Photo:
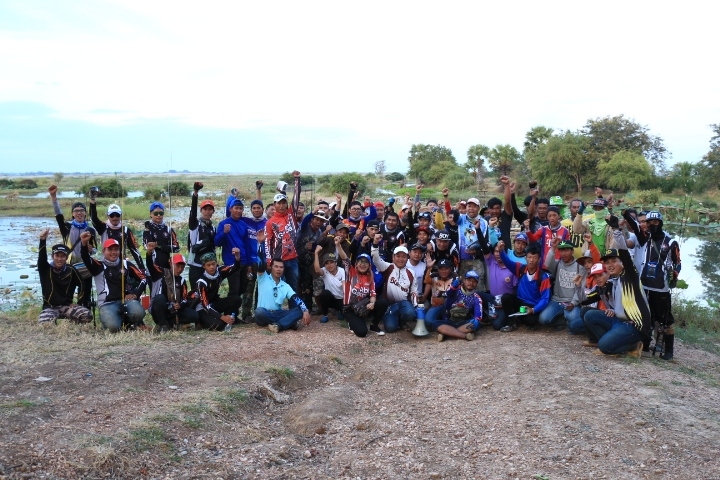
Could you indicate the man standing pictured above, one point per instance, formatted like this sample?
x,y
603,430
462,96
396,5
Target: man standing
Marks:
x,y
470,225
231,234
399,298
280,235
201,234
58,282
114,228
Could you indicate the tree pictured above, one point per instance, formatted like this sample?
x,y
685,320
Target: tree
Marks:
x,y
536,138
423,158
610,135
179,189
380,168
565,153
341,183
57,177
395,177
288,178
504,159
477,155
709,166
626,170
458,179
684,174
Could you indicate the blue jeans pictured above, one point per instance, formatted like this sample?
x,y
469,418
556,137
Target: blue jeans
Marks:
x,y
284,318
615,336
292,274
399,314
500,318
111,316
551,315
433,314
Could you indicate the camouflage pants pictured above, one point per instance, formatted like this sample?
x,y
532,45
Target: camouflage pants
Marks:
x,y
76,313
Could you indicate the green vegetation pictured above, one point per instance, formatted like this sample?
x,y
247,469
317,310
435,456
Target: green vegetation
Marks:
x,y
283,374
24,184
697,324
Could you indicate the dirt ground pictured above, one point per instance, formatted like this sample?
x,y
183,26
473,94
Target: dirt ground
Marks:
x,y
321,403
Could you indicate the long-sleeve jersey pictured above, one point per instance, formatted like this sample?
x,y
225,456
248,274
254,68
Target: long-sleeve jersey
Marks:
x,y
534,288
543,236
458,297
109,278
237,237
71,234
164,236
160,277
208,288
58,286
124,236
201,236
468,233
357,286
400,283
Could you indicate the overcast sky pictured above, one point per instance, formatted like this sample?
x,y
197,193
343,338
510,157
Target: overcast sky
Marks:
x,y
239,87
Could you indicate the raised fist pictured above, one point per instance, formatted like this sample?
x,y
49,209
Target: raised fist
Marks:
x,y
258,184
197,186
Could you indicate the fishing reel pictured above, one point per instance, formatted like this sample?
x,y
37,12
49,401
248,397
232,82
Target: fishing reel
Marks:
x,y
94,192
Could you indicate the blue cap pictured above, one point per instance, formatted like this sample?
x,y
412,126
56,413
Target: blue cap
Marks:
x,y
256,202
522,237
472,274
155,205
237,203
365,257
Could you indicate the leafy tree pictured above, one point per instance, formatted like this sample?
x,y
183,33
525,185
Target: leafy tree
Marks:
x,y
477,155
423,158
710,164
395,177
57,177
110,188
684,175
288,178
179,189
566,153
626,170
458,179
25,184
340,183
504,159
610,135
536,138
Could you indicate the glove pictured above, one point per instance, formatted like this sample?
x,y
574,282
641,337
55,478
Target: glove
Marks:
x,y
94,192
391,200
613,221
582,207
258,184
456,282
197,186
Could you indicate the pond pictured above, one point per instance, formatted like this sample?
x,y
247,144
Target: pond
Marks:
x,y
19,277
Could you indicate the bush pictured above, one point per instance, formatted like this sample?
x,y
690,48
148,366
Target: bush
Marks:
x,y
179,189
6,183
153,193
25,184
109,188
458,179
395,177
647,198
341,183
290,180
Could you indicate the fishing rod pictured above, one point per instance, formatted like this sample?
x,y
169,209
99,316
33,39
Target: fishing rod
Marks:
x,y
171,285
123,245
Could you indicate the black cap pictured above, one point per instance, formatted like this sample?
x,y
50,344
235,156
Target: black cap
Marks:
x,y
442,235
610,253
78,204
417,246
373,223
445,262
60,248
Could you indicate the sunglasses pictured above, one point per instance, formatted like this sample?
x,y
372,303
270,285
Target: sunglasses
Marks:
x,y
158,214
114,215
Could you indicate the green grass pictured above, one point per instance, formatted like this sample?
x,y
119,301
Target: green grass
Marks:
x,y
147,437
22,403
283,374
696,324
229,399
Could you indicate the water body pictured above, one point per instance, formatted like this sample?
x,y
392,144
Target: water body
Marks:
x,y
19,240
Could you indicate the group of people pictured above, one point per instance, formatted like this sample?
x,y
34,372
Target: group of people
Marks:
x,y
458,266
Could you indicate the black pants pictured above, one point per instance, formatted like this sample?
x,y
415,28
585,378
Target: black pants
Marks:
x,y
237,282
194,275
87,292
327,301
163,313
511,304
357,323
226,306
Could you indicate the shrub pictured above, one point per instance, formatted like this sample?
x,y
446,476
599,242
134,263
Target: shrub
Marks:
x,y
648,198
25,184
180,189
153,193
395,177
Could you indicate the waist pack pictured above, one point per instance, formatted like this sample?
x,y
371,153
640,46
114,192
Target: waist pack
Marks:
x,y
458,314
82,270
360,308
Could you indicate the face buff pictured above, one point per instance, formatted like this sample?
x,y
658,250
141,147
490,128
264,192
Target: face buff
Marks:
x,y
598,226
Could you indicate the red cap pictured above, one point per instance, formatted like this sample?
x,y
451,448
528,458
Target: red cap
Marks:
x,y
597,268
178,258
110,242
207,203
379,205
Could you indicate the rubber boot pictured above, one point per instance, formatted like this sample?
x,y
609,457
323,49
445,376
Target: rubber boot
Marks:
x,y
669,346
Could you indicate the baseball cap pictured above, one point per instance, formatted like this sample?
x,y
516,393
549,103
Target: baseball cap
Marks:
x,y
564,245
178,258
417,246
329,257
60,248
279,197
379,205
442,235
522,237
474,200
236,203
208,257
422,228
320,214
372,223
472,274
425,215
597,268
654,215
155,205
586,254
110,242
554,209
463,202
556,200
78,205
610,253
114,208
207,203
332,205
341,226
400,249
363,256
599,202
445,262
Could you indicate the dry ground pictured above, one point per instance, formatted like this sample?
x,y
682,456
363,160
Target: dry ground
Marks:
x,y
81,404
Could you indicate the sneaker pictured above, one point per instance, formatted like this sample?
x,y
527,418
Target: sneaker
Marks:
x,y
588,343
376,329
339,315
295,326
315,310
470,336
440,337
274,327
597,351
509,328
324,319
637,351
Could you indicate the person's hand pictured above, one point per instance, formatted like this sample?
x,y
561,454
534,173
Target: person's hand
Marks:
x,y
504,179
359,234
356,194
176,306
612,221
493,221
429,262
500,245
569,306
366,239
258,184
197,186
85,237
306,318
526,223
338,197
308,246
430,248
150,246
260,236
609,313
226,228
227,319
587,236
534,192
445,192
554,241
577,280
377,239
328,228
419,187
513,185
44,234
318,249
338,240
236,253
296,174
52,190
371,305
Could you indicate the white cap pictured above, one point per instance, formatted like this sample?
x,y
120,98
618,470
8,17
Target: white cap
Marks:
x,y
474,200
332,205
114,208
400,248
278,197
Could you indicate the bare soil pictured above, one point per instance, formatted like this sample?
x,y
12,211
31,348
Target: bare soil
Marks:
x,y
78,403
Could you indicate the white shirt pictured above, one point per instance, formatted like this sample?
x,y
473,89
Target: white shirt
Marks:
x,y
334,283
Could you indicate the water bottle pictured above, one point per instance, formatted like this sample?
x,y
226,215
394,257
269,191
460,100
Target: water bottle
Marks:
x,y
491,311
229,326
